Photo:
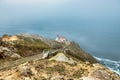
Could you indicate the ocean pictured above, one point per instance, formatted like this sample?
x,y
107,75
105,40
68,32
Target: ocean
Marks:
x,y
93,24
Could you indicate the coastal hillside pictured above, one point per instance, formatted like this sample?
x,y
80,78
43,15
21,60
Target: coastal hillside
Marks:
x,y
33,57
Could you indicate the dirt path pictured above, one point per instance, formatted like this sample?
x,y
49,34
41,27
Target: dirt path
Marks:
x,y
8,64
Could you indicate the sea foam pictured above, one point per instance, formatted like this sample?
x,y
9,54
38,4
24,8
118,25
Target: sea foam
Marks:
x,y
112,65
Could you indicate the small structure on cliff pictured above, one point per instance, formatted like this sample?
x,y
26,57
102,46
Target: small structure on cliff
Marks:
x,y
60,38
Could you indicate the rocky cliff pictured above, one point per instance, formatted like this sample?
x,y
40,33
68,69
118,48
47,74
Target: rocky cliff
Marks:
x,y
33,57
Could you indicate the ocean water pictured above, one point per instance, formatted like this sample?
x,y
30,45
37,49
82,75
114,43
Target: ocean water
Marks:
x,y
94,24
112,65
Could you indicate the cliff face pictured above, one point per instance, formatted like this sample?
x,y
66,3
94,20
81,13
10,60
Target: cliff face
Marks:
x,y
27,45
32,57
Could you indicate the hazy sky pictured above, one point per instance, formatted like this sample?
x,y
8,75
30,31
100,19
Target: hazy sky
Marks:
x,y
19,10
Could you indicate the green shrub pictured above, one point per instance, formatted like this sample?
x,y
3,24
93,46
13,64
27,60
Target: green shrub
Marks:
x,y
56,68
78,74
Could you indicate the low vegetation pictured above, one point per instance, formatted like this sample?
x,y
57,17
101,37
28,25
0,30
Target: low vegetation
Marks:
x,y
27,46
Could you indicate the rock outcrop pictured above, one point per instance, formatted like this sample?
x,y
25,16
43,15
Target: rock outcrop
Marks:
x,y
7,53
32,57
9,38
62,57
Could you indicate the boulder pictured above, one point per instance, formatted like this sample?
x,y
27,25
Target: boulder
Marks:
x,y
9,38
15,56
62,57
5,37
13,38
99,74
7,53
24,70
57,77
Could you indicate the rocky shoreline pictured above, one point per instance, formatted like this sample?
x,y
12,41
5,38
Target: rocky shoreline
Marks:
x,y
33,57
